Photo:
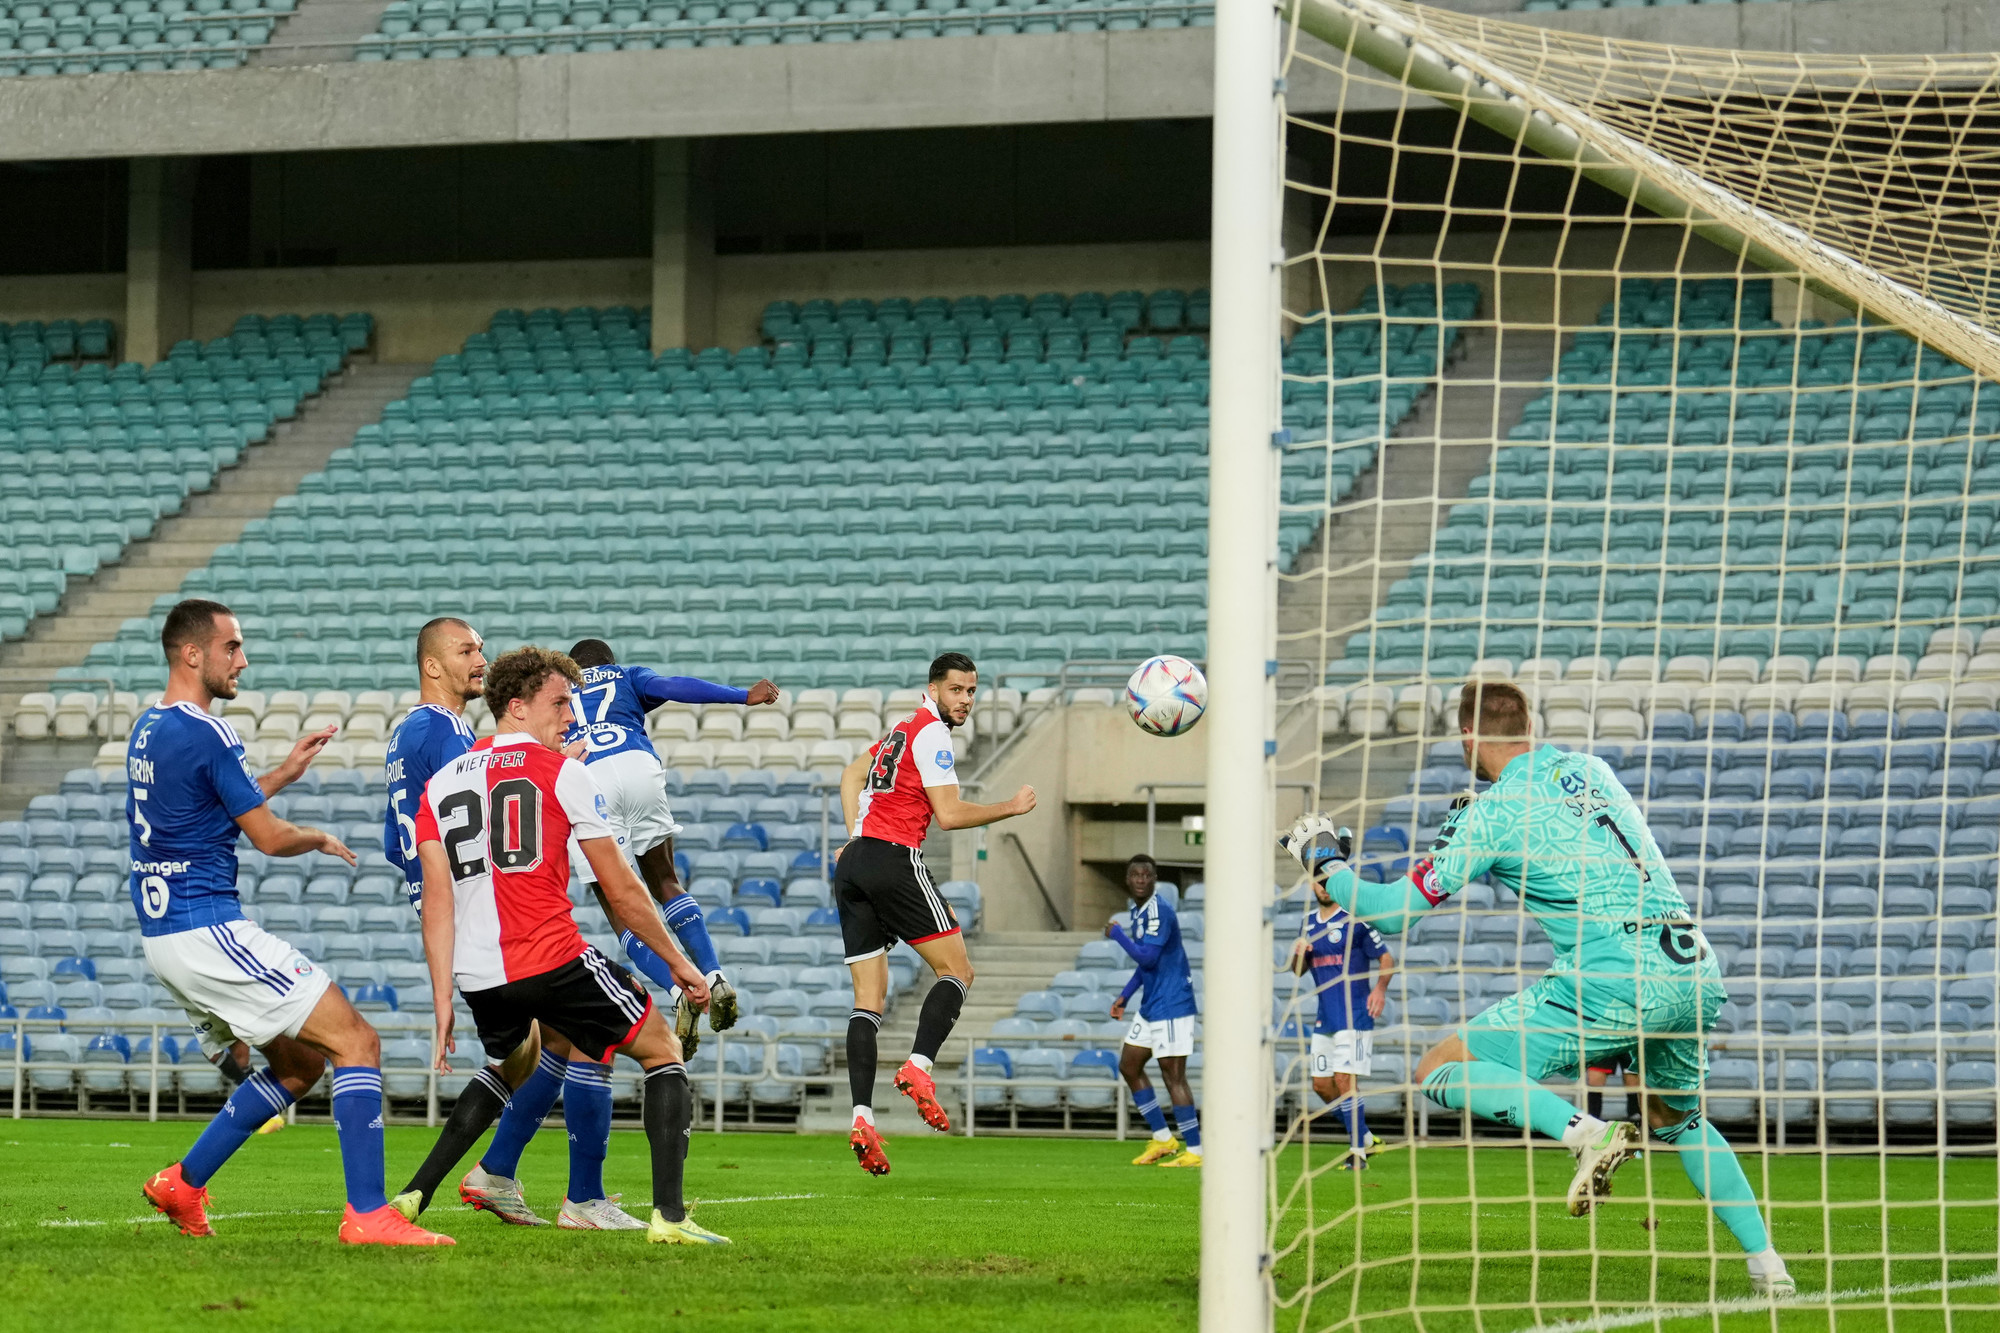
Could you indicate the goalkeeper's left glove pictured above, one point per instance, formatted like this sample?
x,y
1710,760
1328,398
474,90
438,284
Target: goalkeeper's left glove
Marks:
x,y
1318,845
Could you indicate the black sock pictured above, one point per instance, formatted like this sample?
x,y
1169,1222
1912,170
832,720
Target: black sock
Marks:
x,y
668,1114
484,1098
1594,1103
940,1012
862,1025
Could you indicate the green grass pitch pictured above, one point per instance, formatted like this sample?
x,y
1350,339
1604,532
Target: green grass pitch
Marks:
x,y
1035,1234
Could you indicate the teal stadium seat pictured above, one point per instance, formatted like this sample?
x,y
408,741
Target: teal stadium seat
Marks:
x,y
1877,450
1076,422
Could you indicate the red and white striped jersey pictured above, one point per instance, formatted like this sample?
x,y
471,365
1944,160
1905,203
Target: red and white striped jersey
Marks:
x,y
506,814
914,755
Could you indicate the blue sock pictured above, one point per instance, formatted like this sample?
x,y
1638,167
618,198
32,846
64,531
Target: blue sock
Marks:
x,y
587,1112
357,1118
1349,1111
530,1106
255,1100
650,965
1190,1126
1148,1103
683,917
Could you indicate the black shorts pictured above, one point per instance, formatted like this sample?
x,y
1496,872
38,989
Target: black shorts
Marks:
x,y
1619,1063
591,1001
885,894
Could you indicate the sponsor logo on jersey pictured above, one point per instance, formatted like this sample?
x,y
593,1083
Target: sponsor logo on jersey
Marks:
x,y
945,759
604,809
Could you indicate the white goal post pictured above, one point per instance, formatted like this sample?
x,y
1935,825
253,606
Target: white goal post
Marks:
x,y
1854,185
1246,262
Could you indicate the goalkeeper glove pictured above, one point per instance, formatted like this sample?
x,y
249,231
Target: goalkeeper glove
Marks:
x,y
1315,843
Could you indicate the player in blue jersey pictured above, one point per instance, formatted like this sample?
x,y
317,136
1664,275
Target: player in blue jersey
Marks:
x,y
451,670
1163,1029
189,795
1337,950
1632,972
611,706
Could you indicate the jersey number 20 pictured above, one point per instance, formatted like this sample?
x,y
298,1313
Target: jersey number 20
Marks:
x,y
513,809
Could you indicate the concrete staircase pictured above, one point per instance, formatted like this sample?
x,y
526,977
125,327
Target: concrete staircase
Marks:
x,y
92,609
1007,964
320,32
1398,505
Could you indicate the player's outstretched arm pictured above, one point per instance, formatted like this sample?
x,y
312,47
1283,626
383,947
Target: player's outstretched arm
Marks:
x,y
304,751
280,837
954,812
632,909
438,915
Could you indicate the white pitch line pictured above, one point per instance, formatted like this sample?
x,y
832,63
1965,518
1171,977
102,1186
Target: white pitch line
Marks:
x,y
1752,1304
327,1212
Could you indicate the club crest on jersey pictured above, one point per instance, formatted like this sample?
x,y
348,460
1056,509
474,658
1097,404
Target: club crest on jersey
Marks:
x,y
1424,875
945,759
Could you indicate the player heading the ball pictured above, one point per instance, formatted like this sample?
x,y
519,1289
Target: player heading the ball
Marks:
x,y
884,892
189,793
1632,972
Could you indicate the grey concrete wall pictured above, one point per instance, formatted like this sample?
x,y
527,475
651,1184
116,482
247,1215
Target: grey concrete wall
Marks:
x,y
1063,78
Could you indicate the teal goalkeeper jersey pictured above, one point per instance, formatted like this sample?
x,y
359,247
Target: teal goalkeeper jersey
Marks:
x,y
1560,831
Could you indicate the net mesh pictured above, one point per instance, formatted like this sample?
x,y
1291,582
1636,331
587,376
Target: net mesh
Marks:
x,y
1657,382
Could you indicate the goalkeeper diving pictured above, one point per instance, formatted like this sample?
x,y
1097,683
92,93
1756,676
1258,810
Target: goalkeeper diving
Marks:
x,y
1632,973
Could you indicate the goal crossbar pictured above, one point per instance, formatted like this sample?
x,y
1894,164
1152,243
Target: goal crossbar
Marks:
x,y
1930,270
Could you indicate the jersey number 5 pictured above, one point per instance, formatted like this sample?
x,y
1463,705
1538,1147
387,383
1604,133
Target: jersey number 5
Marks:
x,y
513,809
882,776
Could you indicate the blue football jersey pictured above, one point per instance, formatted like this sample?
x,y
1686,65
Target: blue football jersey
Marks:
x,y
1341,951
612,703
1152,935
187,783
423,742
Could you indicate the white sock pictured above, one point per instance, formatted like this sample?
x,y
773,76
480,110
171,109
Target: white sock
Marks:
x,y
1767,1264
922,1062
866,1113
715,976
1586,1128
1163,1136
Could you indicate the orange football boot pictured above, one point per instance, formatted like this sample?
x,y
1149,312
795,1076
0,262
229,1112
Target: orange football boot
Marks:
x,y
867,1145
385,1226
185,1205
916,1084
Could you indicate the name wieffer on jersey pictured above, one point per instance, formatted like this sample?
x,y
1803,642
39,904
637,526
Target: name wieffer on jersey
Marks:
x,y
506,816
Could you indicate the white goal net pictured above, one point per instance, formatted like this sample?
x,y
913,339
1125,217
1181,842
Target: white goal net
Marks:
x,y
1661,383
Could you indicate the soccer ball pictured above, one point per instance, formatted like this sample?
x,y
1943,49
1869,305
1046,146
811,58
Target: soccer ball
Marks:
x,y
1166,695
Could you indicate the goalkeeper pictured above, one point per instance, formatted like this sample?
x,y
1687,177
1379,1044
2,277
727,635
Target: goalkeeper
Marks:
x,y
1632,974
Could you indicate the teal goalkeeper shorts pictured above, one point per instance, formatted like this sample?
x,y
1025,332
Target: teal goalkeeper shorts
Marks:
x,y
1561,1023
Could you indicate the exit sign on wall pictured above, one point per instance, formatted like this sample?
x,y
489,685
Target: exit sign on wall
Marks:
x,y
1191,831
